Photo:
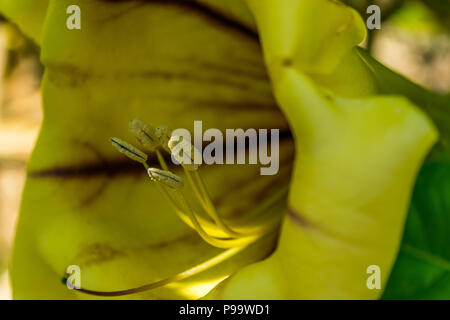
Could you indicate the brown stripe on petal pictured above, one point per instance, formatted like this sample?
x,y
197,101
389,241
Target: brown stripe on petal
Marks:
x,y
188,238
318,228
216,80
207,11
259,74
115,167
298,219
136,5
215,16
97,253
111,168
72,76
232,106
101,172
91,197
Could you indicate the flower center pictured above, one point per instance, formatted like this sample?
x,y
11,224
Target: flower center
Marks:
x,y
209,225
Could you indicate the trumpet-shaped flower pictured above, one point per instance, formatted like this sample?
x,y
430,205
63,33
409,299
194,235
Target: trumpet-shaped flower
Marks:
x,y
349,155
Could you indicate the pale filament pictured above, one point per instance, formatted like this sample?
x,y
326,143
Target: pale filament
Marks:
x,y
171,186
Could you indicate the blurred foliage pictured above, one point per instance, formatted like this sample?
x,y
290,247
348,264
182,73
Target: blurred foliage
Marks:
x,y
421,12
441,8
417,17
413,15
388,7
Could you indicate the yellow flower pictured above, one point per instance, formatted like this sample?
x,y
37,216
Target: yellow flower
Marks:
x,y
355,154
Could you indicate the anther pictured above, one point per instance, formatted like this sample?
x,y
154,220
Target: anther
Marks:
x,y
185,153
145,134
163,133
167,178
129,150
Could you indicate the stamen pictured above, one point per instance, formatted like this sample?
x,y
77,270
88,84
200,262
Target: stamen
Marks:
x,y
185,153
178,147
163,133
161,161
175,206
225,255
165,177
208,206
129,150
211,228
145,134
217,242
181,211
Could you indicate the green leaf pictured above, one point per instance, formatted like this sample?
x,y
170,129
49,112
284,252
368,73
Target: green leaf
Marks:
x,y
422,269
441,9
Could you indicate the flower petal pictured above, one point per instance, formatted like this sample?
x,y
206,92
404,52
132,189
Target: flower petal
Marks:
x,y
164,62
356,162
28,14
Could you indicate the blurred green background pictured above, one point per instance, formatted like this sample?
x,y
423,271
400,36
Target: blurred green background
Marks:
x,y
414,40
